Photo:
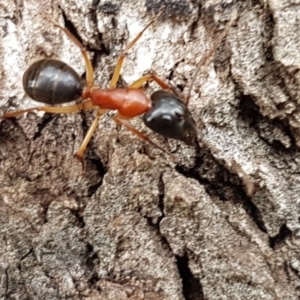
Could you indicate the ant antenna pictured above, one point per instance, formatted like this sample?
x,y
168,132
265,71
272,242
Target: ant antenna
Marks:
x,y
206,59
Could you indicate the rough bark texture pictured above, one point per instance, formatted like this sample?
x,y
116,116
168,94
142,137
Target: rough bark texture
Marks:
x,y
222,223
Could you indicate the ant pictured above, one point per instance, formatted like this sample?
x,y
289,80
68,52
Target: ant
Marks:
x,y
52,82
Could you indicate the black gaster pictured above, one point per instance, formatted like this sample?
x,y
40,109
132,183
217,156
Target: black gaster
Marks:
x,y
170,117
52,81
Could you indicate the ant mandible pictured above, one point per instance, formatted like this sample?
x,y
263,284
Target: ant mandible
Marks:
x,y
52,82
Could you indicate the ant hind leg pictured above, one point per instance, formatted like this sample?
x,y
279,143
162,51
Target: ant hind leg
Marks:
x,y
85,105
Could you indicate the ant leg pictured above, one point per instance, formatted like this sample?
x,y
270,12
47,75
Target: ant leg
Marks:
x,y
89,82
150,77
79,154
85,105
88,65
122,56
118,119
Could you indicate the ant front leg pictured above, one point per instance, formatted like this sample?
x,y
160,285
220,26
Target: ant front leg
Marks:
x,y
120,121
151,77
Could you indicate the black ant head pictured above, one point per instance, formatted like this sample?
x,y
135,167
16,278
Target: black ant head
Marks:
x,y
170,117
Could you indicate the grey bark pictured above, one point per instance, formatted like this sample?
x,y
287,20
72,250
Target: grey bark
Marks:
x,y
221,223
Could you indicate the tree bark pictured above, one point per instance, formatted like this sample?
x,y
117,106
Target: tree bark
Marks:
x,y
220,223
